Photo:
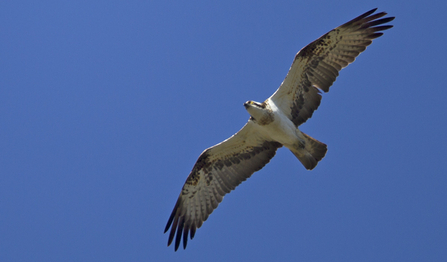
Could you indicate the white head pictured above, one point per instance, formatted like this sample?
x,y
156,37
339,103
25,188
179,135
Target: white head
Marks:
x,y
259,112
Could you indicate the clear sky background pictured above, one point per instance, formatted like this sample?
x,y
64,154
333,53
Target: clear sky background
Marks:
x,y
106,105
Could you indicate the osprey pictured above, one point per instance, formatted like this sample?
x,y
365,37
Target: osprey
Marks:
x,y
273,124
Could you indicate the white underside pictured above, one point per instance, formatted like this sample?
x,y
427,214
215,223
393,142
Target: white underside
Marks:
x,y
282,129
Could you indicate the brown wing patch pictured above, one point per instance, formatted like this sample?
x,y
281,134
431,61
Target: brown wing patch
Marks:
x,y
315,48
306,101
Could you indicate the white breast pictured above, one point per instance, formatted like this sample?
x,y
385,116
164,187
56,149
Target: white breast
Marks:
x,y
282,128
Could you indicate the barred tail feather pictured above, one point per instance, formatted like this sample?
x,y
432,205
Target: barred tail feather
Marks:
x,y
312,152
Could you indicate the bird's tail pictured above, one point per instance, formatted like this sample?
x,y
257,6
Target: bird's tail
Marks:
x,y
312,152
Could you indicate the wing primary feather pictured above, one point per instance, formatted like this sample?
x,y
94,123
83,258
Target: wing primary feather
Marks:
x,y
360,17
214,202
185,236
199,223
382,28
375,35
172,233
178,237
377,22
209,205
372,17
171,218
193,231
168,225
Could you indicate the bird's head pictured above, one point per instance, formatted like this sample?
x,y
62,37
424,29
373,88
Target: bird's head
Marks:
x,y
255,109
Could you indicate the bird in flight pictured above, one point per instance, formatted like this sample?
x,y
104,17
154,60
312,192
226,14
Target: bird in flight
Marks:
x,y
273,123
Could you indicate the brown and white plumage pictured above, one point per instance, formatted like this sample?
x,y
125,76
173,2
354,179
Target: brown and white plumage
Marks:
x,y
272,124
216,173
316,66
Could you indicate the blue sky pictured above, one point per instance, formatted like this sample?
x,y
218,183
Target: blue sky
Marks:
x,y
106,105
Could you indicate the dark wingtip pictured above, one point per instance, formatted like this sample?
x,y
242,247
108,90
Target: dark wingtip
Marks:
x,y
168,225
370,12
185,236
172,233
178,237
171,217
391,18
366,14
193,231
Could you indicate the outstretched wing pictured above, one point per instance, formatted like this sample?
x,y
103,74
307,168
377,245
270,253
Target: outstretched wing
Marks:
x,y
316,66
218,170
